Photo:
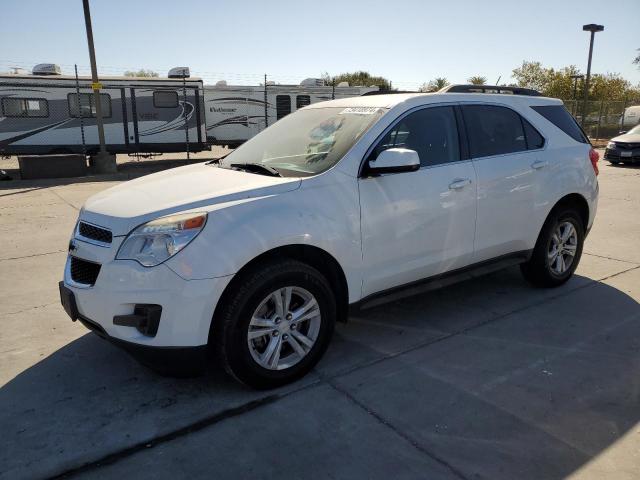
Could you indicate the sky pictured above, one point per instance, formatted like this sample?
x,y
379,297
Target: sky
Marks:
x,y
407,41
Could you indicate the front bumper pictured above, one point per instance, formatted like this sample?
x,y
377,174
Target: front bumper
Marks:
x,y
167,360
187,306
626,155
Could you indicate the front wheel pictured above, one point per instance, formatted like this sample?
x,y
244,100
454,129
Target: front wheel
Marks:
x,y
275,324
557,251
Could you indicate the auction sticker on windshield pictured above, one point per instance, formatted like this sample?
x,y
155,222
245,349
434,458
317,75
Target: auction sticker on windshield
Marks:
x,y
360,110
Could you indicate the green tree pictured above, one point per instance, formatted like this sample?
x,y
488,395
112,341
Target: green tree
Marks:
x,y
477,80
559,84
140,73
361,79
434,85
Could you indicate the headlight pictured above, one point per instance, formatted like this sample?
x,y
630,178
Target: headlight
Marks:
x,y
156,241
611,145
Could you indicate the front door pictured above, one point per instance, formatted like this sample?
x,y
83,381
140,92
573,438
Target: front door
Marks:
x,y
419,224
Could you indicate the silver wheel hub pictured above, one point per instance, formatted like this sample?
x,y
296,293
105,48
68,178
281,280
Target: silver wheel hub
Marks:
x,y
284,328
562,248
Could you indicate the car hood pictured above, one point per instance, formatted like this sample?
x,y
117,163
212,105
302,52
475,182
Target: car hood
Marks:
x,y
125,206
627,138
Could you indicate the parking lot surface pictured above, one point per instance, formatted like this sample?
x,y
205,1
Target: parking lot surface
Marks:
x,y
489,378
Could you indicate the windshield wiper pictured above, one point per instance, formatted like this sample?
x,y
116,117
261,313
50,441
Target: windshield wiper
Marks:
x,y
258,168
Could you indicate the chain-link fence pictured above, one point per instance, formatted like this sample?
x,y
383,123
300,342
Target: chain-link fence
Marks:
x,y
603,119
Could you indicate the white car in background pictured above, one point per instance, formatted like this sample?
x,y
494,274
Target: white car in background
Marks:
x,y
624,148
343,204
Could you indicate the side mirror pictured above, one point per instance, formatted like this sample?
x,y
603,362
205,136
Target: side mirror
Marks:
x,y
395,160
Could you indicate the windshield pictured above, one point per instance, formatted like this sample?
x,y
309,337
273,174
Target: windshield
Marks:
x,y
306,142
635,129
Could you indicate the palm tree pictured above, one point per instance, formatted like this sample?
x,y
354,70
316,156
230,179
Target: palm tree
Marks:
x,y
477,80
434,85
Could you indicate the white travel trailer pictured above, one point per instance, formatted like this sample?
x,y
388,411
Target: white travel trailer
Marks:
x,y
44,113
234,114
630,116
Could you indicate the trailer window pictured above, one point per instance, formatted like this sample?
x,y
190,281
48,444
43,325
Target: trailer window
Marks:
x,y
283,106
165,99
302,101
25,107
87,105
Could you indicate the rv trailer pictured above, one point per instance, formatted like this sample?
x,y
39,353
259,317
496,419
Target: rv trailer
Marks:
x,y
234,114
46,113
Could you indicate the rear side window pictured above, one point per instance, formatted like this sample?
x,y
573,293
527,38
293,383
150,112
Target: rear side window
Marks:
x,y
283,106
432,132
534,139
493,130
165,99
561,118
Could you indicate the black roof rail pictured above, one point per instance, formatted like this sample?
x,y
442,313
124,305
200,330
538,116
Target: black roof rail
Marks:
x,y
490,89
387,92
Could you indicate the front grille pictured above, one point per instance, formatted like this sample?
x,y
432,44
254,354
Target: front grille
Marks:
x,y
95,233
627,146
84,272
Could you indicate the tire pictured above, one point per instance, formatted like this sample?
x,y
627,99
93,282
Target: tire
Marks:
x,y
544,270
250,309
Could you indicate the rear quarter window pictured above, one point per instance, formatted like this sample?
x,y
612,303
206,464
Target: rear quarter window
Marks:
x,y
561,118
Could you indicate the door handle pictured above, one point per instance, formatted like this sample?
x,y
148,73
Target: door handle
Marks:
x,y
459,183
539,164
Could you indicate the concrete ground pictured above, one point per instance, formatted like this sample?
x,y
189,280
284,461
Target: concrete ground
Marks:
x,y
488,379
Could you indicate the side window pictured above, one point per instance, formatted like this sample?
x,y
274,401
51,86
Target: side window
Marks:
x,y
561,118
87,107
283,106
534,139
493,130
165,99
432,132
303,101
24,107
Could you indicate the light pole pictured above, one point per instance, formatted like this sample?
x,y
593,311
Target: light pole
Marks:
x,y
103,162
593,28
575,89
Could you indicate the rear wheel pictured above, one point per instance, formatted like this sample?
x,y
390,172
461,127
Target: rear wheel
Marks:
x,y
557,251
275,324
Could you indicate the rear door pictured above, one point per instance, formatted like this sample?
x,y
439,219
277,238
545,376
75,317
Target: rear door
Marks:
x,y
511,173
419,224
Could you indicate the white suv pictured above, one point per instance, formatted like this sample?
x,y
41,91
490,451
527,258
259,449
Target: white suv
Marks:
x,y
341,204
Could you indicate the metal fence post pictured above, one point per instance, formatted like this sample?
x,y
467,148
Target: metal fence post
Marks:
x,y
184,110
84,145
599,119
266,111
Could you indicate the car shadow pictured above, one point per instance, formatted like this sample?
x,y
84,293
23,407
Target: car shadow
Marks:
x,y
477,350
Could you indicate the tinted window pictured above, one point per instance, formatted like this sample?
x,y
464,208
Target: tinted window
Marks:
x,y
493,130
165,99
87,105
534,139
283,106
302,101
25,107
432,132
561,118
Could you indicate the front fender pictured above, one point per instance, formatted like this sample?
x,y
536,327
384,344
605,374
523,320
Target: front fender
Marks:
x,y
324,212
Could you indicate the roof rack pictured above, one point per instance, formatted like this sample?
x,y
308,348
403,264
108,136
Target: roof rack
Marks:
x,y
490,89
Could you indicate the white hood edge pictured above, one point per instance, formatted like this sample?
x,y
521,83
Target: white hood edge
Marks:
x,y
129,204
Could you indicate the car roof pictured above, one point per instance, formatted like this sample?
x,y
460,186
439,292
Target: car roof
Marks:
x,y
417,99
